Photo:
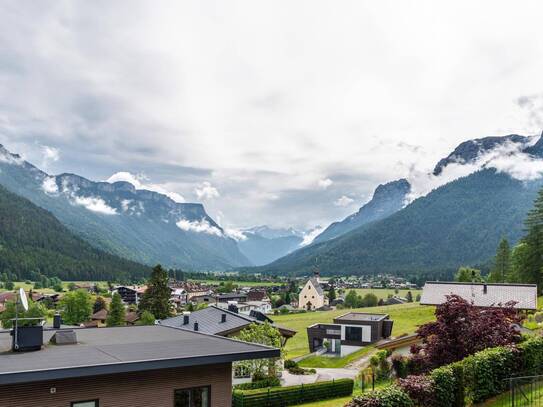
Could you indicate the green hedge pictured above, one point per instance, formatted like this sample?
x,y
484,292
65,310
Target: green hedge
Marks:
x,y
260,384
531,351
292,395
485,372
391,396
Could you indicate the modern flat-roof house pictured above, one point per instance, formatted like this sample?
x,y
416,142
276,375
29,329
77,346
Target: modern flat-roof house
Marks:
x,y
217,321
137,366
349,332
482,294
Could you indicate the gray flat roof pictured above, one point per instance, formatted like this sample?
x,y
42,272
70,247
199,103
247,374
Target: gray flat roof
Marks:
x,y
525,295
361,316
122,349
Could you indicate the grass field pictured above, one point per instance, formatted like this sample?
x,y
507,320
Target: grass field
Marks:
x,y
22,284
331,362
385,292
238,283
406,319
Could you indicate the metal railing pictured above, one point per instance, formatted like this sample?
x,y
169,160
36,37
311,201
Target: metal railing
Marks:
x,y
524,391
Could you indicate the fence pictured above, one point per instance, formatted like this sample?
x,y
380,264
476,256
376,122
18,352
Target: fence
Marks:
x,y
292,395
525,391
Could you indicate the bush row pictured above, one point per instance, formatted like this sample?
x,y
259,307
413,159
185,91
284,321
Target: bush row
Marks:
x,y
292,395
260,384
472,380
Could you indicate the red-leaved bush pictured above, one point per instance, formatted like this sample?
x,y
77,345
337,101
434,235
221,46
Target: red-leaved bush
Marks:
x,y
419,389
460,330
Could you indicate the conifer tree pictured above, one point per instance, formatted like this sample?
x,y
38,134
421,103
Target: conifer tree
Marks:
x,y
156,299
502,263
531,262
116,314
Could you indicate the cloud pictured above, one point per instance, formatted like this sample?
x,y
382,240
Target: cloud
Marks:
x,y
206,191
290,100
343,201
94,204
50,155
140,182
325,183
235,234
311,235
201,226
506,158
49,185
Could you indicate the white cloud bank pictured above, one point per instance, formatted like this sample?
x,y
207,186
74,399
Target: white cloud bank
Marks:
x,y
311,235
94,204
49,185
201,226
140,182
506,158
324,183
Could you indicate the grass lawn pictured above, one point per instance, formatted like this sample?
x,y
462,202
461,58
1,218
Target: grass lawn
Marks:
x,y
385,292
406,319
238,283
340,402
324,361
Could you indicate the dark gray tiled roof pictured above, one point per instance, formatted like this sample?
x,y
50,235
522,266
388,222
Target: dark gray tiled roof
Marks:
x,y
122,349
525,295
209,320
317,286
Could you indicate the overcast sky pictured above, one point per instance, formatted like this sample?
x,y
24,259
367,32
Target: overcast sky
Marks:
x,y
286,113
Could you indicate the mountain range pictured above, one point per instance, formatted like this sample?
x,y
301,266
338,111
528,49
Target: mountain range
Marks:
x,y
458,223
139,225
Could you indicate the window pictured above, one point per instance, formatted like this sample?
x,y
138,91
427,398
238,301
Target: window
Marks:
x,y
195,397
353,334
88,403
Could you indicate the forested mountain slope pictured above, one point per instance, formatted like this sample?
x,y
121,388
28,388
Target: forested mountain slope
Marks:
x,y
32,240
457,224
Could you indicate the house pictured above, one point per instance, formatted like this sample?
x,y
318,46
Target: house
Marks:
x,y
130,294
217,321
482,294
257,295
312,295
140,366
248,307
99,318
349,332
396,300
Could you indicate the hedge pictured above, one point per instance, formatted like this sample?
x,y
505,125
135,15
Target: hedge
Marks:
x,y
391,396
485,372
260,384
292,395
473,379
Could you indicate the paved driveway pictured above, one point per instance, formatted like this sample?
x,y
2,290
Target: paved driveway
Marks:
x,y
323,374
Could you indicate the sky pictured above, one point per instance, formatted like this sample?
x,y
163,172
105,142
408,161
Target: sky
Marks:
x,y
285,113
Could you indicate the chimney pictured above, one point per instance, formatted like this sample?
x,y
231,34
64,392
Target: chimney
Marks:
x,y
223,318
233,308
185,319
57,321
196,326
485,289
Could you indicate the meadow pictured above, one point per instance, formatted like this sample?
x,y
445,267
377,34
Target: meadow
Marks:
x,y
407,317
385,292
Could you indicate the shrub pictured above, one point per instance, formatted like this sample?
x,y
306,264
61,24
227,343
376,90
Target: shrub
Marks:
x,y
297,370
448,387
420,389
391,396
289,363
485,371
292,395
538,316
268,382
531,354
400,366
